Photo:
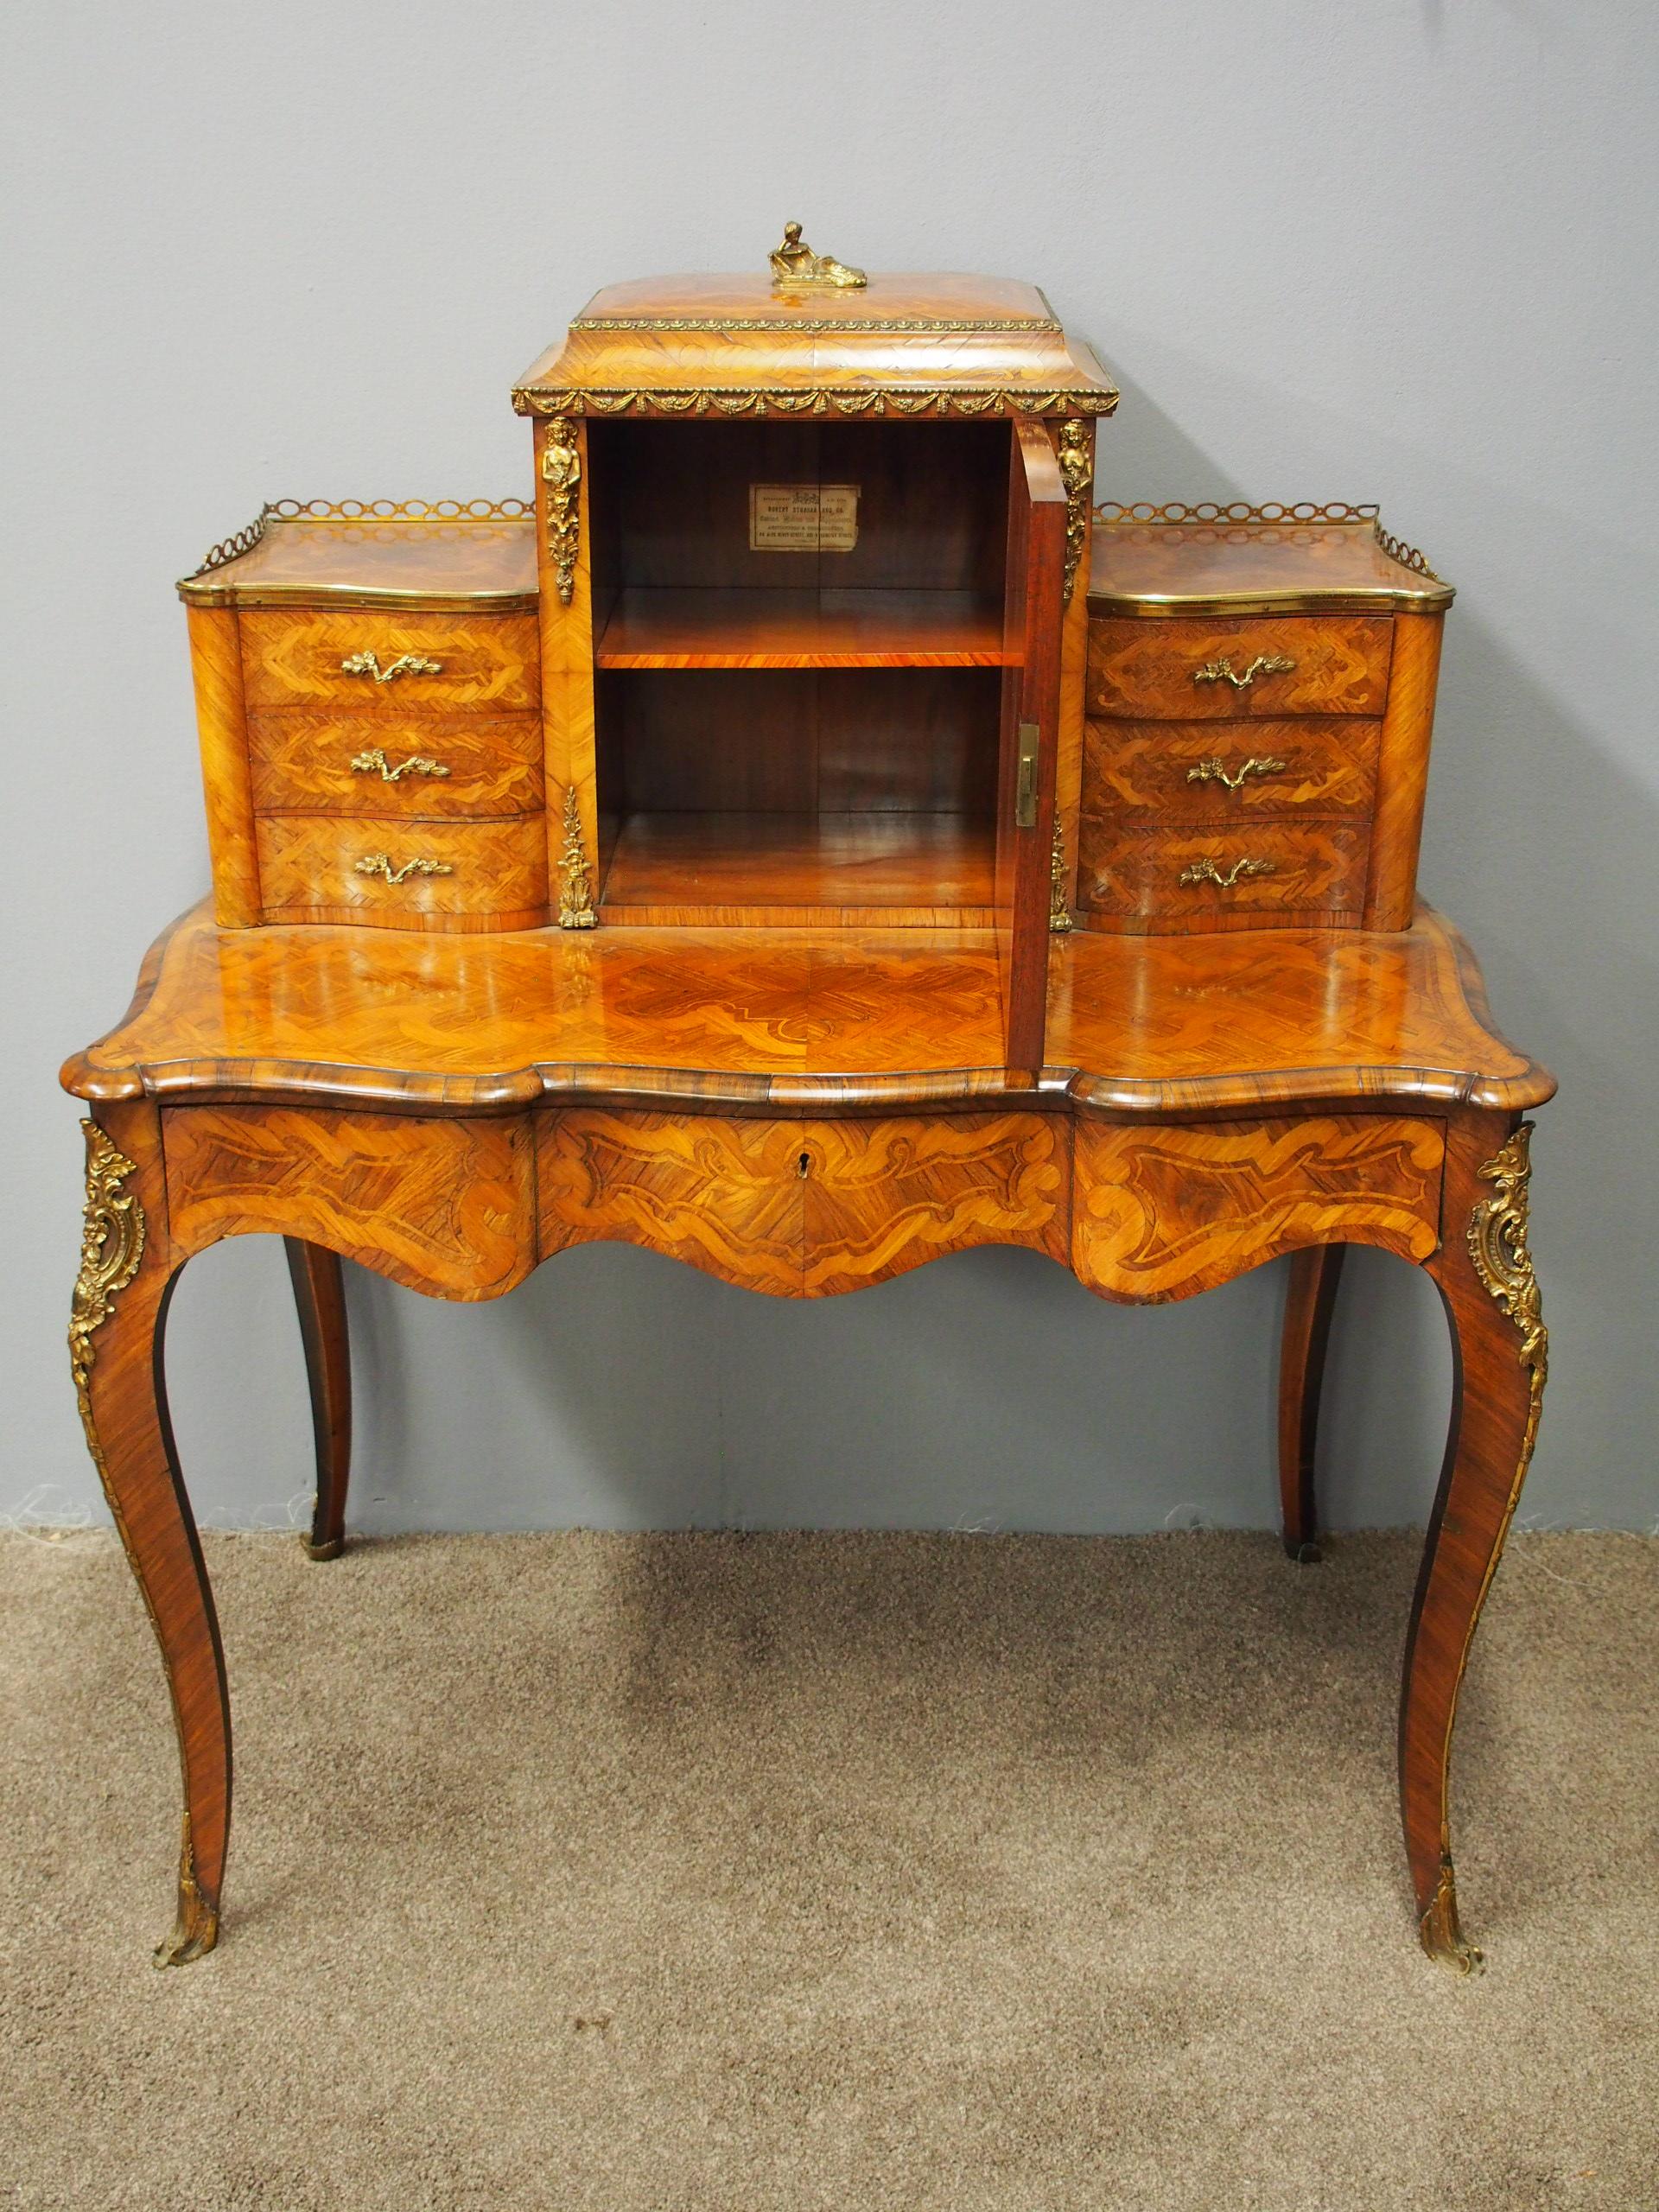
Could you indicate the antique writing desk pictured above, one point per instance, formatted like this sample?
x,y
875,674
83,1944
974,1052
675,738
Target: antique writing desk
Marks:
x,y
812,839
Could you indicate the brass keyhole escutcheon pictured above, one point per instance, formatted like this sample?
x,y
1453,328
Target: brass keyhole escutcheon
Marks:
x,y
803,1166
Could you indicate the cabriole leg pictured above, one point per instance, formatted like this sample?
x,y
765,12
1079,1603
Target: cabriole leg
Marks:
x,y
117,1320
1500,1350
320,1294
1314,1275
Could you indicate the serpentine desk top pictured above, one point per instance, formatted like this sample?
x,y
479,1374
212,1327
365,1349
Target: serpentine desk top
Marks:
x,y
769,1019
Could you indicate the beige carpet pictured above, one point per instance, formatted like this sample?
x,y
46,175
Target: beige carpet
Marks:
x,y
938,1873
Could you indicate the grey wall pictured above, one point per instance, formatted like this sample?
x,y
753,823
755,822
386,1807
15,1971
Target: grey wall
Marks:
x,y
1401,252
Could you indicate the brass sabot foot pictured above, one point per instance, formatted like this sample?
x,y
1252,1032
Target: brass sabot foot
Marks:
x,y
330,1547
196,1930
1442,1938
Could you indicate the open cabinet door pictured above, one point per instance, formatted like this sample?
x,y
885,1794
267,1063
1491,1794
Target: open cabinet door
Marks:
x,y
1031,701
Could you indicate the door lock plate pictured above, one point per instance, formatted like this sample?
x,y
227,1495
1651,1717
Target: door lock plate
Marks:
x,y
1025,789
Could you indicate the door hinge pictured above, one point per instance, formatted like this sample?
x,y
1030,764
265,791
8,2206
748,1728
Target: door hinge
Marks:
x,y
1025,789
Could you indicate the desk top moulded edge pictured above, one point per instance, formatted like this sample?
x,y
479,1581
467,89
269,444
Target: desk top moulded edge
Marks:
x,y
179,1041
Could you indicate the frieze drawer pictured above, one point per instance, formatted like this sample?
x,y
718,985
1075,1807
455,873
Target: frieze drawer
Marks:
x,y
1185,670
1162,1212
809,1208
389,666
398,765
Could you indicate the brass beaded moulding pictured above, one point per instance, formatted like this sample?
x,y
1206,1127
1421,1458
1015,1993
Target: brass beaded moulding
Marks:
x,y
852,399
834,326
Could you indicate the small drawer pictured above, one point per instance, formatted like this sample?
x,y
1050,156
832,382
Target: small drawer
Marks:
x,y
1263,875
1143,774
391,665
403,874
1180,670
403,766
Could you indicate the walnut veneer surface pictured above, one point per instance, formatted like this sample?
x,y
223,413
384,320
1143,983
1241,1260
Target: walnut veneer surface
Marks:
x,y
620,873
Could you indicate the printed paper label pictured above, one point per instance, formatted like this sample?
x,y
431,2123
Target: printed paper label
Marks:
x,y
802,518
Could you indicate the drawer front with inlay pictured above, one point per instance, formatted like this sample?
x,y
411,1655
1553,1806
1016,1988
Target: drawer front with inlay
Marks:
x,y
1161,1212
720,1192
402,766
1182,670
884,1195
444,1206
389,666
403,874
1265,874
1148,773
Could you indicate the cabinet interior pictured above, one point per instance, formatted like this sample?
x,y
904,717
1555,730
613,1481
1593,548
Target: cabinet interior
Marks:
x,y
785,735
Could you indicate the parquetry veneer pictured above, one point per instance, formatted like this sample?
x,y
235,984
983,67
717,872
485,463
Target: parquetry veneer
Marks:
x,y
812,840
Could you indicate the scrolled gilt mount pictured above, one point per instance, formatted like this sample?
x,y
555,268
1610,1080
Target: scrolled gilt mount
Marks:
x,y
795,267
375,763
1223,672
1499,1247
112,1249
368,663
381,864
1205,871
1215,771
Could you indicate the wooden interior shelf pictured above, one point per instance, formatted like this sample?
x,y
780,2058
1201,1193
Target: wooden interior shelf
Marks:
x,y
801,869
684,627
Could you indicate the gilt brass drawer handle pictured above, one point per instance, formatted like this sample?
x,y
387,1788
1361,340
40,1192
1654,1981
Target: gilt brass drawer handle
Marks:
x,y
1205,871
378,864
1223,672
405,664
1211,772
375,763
